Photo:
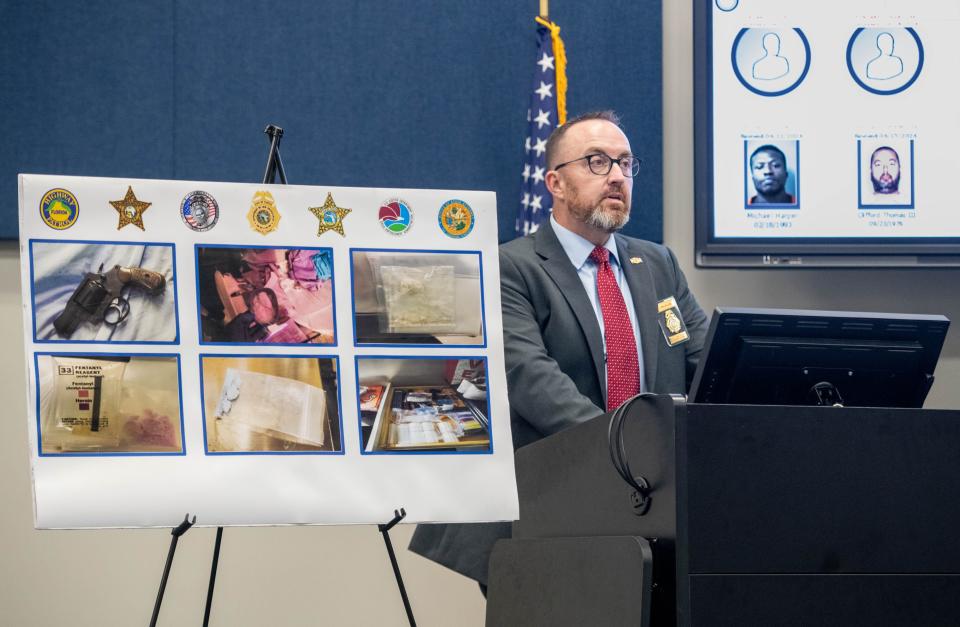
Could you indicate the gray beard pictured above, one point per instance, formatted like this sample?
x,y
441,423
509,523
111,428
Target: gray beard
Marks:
x,y
608,222
594,216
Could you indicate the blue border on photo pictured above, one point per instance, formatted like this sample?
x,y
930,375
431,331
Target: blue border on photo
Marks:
x,y
333,294
747,175
913,181
486,365
183,441
353,299
176,296
203,404
760,92
881,92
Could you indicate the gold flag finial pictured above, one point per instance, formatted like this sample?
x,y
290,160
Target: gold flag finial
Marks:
x,y
560,54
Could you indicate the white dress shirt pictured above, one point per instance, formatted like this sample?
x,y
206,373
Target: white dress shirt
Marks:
x,y
578,249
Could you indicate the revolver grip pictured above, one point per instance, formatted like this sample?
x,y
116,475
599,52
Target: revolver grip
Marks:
x,y
152,282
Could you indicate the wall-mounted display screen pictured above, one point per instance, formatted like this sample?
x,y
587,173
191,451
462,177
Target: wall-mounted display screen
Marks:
x,y
826,133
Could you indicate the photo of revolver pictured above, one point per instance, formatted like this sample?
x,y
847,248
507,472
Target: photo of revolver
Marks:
x,y
99,297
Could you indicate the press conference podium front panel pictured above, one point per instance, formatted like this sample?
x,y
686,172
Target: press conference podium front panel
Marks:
x,y
762,515
596,580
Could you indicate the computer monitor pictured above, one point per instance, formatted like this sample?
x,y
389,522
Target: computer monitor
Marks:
x,y
796,357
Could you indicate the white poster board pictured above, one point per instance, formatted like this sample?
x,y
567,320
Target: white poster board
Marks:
x,y
262,354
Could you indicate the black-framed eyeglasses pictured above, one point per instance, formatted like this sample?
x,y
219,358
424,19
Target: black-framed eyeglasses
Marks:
x,y
601,164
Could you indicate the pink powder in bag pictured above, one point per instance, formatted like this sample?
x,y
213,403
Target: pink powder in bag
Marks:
x,y
150,429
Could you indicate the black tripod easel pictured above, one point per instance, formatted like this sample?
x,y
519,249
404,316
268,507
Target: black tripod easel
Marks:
x,y
274,162
385,530
178,531
275,168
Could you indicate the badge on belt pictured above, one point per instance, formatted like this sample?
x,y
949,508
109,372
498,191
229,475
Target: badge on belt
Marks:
x,y
671,322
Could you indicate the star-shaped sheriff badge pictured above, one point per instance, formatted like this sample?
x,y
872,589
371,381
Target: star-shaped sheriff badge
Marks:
x,y
130,210
331,216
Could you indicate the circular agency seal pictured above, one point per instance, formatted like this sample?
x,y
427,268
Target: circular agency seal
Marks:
x,y
199,211
59,209
456,218
395,216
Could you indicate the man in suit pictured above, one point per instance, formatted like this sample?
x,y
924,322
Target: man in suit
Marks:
x,y
576,298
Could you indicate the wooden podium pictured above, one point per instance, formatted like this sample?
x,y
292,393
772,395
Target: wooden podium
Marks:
x,y
759,516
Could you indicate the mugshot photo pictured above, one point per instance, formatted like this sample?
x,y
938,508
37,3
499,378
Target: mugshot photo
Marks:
x,y
886,175
771,174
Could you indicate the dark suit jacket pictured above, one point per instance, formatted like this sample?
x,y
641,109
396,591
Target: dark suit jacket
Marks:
x,y
554,357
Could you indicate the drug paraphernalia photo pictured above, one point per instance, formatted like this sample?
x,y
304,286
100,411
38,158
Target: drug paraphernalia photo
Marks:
x,y
254,295
112,404
424,405
417,297
271,404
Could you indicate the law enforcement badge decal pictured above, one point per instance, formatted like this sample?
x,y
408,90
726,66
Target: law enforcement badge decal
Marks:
x,y
395,216
199,211
263,215
456,218
330,215
671,322
130,210
59,209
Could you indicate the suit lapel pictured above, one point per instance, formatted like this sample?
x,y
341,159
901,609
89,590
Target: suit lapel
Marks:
x,y
557,265
644,295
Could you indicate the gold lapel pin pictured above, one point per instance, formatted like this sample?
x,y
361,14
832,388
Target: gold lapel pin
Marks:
x,y
636,260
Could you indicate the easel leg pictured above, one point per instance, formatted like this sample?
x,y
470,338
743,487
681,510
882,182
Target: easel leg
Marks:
x,y
178,531
385,530
274,163
213,576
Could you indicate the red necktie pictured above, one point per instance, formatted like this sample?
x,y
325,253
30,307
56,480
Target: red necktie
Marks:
x,y
623,367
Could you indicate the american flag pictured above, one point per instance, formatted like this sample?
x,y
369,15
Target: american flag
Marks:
x,y
547,108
